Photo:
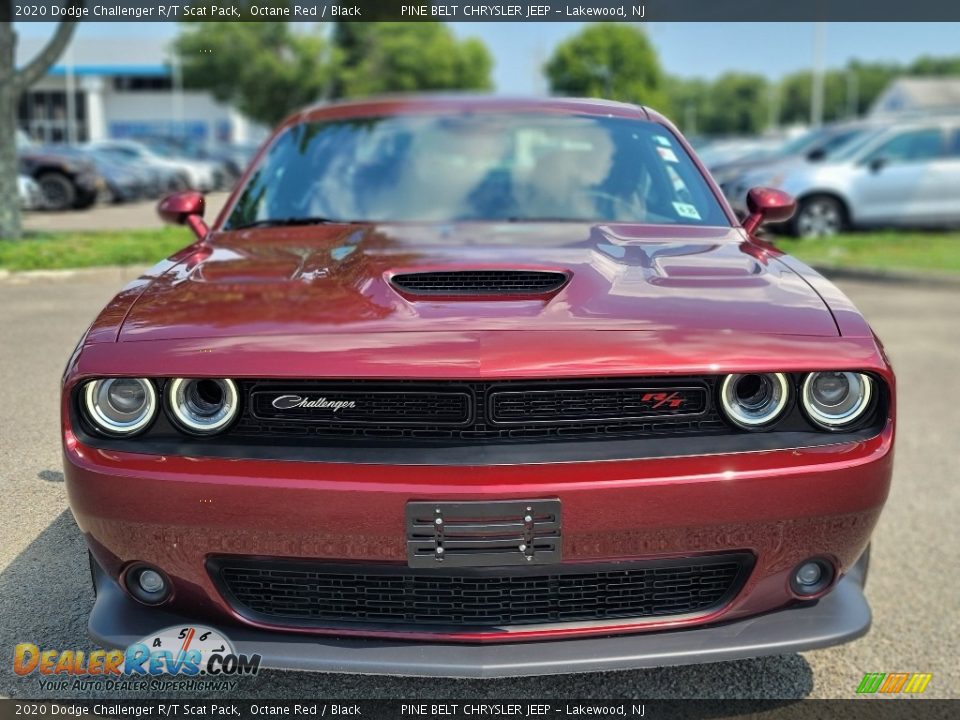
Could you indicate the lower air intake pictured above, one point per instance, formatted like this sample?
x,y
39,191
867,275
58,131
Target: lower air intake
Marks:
x,y
300,593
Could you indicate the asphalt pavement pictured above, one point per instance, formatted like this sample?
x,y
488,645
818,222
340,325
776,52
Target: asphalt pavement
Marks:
x,y
914,582
125,216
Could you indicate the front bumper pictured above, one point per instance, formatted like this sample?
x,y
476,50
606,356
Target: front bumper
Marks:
x,y
781,506
841,616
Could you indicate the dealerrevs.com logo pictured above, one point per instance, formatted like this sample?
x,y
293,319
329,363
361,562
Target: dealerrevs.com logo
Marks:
x,y
175,658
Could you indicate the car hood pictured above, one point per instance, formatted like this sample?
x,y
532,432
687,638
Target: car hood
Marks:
x,y
337,278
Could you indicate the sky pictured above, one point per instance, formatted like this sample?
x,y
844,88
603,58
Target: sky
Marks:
x,y
686,49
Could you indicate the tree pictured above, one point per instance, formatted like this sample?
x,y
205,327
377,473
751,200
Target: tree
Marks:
x,y
686,102
12,83
401,57
264,69
268,70
738,104
608,60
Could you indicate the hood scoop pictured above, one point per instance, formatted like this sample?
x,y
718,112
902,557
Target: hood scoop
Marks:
x,y
473,284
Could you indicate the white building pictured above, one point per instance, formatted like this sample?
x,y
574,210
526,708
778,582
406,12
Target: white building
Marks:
x,y
918,95
121,89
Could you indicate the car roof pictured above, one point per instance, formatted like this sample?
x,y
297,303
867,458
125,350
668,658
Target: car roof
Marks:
x,y
411,104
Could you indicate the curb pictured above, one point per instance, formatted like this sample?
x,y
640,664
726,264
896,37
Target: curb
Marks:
x,y
889,277
126,272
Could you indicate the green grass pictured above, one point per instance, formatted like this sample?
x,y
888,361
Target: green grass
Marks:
x,y
889,251
50,251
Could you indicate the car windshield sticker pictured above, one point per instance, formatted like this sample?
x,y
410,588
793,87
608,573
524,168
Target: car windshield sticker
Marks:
x,y
667,154
662,140
686,210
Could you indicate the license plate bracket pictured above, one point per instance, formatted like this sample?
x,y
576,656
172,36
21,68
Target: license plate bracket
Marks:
x,y
483,533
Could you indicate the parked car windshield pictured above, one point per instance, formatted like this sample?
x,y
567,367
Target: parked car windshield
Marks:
x,y
479,166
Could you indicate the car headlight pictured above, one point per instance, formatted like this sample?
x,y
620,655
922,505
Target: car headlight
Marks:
x,y
202,406
120,406
754,400
834,400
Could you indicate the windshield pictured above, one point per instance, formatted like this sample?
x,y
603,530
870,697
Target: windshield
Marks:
x,y
482,166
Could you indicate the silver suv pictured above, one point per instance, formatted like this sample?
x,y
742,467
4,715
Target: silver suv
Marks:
x,y
906,174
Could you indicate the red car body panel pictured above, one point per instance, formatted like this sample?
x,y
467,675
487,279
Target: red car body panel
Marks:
x,y
316,302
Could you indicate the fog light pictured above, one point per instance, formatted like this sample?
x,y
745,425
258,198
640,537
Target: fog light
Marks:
x,y
148,585
807,575
811,577
151,582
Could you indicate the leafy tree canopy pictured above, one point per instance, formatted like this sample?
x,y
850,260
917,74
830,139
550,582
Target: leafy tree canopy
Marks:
x,y
609,60
268,70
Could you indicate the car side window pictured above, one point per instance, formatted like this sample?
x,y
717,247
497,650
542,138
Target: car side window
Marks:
x,y
953,150
911,146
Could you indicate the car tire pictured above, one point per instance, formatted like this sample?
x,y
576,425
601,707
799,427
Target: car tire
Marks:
x,y
819,216
85,200
59,193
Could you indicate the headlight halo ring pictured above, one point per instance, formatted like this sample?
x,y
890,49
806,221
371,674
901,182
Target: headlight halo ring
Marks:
x,y
187,419
92,406
734,412
837,421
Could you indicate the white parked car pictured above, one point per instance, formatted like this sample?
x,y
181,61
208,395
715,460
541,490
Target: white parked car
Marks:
x,y
904,175
31,197
199,174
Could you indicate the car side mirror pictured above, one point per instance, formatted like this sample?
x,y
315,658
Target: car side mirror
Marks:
x,y
877,164
185,208
767,205
816,155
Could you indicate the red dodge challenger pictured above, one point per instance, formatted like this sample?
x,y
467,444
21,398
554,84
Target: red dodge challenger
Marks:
x,y
480,387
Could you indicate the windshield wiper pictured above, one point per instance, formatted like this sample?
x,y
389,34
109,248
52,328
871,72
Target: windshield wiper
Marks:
x,y
281,222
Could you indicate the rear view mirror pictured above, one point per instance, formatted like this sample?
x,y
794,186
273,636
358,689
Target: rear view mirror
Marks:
x,y
767,205
877,164
185,208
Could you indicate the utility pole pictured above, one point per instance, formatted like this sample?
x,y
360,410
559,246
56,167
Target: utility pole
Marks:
x,y
179,129
690,119
773,100
816,95
71,105
853,93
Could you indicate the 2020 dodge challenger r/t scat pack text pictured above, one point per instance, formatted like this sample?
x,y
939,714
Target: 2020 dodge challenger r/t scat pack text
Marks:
x,y
477,387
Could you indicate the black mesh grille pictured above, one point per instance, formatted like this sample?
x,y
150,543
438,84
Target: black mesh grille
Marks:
x,y
456,412
480,282
314,594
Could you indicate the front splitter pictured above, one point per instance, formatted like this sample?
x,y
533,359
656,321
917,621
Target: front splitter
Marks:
x,y
117,621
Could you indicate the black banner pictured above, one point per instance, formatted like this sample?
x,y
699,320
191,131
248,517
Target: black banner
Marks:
x,y
860,709
485,10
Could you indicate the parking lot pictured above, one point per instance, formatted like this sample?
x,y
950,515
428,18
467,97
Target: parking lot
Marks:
x,y
913,586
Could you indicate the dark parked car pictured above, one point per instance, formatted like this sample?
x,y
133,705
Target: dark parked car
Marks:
x,y
124,181
65,181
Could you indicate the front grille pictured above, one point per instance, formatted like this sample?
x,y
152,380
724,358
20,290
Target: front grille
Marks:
x,y
363,405
480,282
300,593
456,412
